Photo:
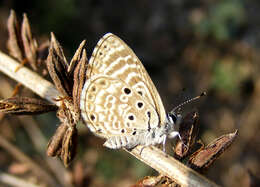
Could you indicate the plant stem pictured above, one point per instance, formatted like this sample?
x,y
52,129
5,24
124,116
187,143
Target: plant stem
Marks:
x,y
28,78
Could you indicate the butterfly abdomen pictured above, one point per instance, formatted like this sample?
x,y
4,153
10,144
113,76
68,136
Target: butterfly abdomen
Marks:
x,y
118,142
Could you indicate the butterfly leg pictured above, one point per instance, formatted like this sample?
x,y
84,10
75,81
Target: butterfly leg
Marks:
x,y
176,133
164,143
142,149
173,134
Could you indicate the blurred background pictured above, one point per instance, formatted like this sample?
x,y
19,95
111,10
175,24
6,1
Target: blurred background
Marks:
x,y
186,46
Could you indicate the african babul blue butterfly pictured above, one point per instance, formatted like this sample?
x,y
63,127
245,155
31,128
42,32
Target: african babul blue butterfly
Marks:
x,y
119,101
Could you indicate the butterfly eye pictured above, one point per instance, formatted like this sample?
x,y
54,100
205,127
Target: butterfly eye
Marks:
x,y
172,118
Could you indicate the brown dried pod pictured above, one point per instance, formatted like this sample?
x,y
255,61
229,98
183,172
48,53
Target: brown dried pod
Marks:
x,y
148,181
155,181
55,144
68,112
167,182
29,43
59,51
25,105
69,146
188,130
203,158
57,66
79,79
76,58
14,42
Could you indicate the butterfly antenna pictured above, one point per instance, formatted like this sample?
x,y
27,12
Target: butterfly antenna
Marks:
x,y
188,101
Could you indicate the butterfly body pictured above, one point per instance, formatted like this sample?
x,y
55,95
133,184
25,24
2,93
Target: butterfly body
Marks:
x,y
144,137
119,102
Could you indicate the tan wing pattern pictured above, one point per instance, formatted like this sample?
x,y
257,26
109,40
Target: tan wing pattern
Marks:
x,y
115,109
112,57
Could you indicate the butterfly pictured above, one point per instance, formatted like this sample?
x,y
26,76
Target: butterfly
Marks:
x,y
119,101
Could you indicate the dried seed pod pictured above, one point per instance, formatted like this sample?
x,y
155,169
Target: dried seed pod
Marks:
x,y
188,130
25,105
59,51
69,146
149,181
156,181
76,58
79,80
55,144
57,66
14,42
203,158
29,43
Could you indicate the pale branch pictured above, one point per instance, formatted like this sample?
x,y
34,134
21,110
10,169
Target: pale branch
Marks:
x,y
169,166
152,156
12,180
28,78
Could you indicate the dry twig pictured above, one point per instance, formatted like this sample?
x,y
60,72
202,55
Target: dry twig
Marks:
x,y
15,181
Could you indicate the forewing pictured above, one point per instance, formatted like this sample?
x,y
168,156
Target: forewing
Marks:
x,y
112,57
110,107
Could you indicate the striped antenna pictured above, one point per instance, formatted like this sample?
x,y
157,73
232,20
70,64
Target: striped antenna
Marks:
x,y
188,101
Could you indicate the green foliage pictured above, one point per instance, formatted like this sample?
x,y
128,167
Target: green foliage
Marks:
x,y
222,19
225,77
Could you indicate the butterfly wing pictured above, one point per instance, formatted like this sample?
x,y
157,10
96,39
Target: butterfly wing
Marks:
x,y
110,108
112,57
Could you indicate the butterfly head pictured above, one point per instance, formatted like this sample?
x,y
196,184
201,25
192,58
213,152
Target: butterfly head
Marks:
x,y
173,121
174,118
170,129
